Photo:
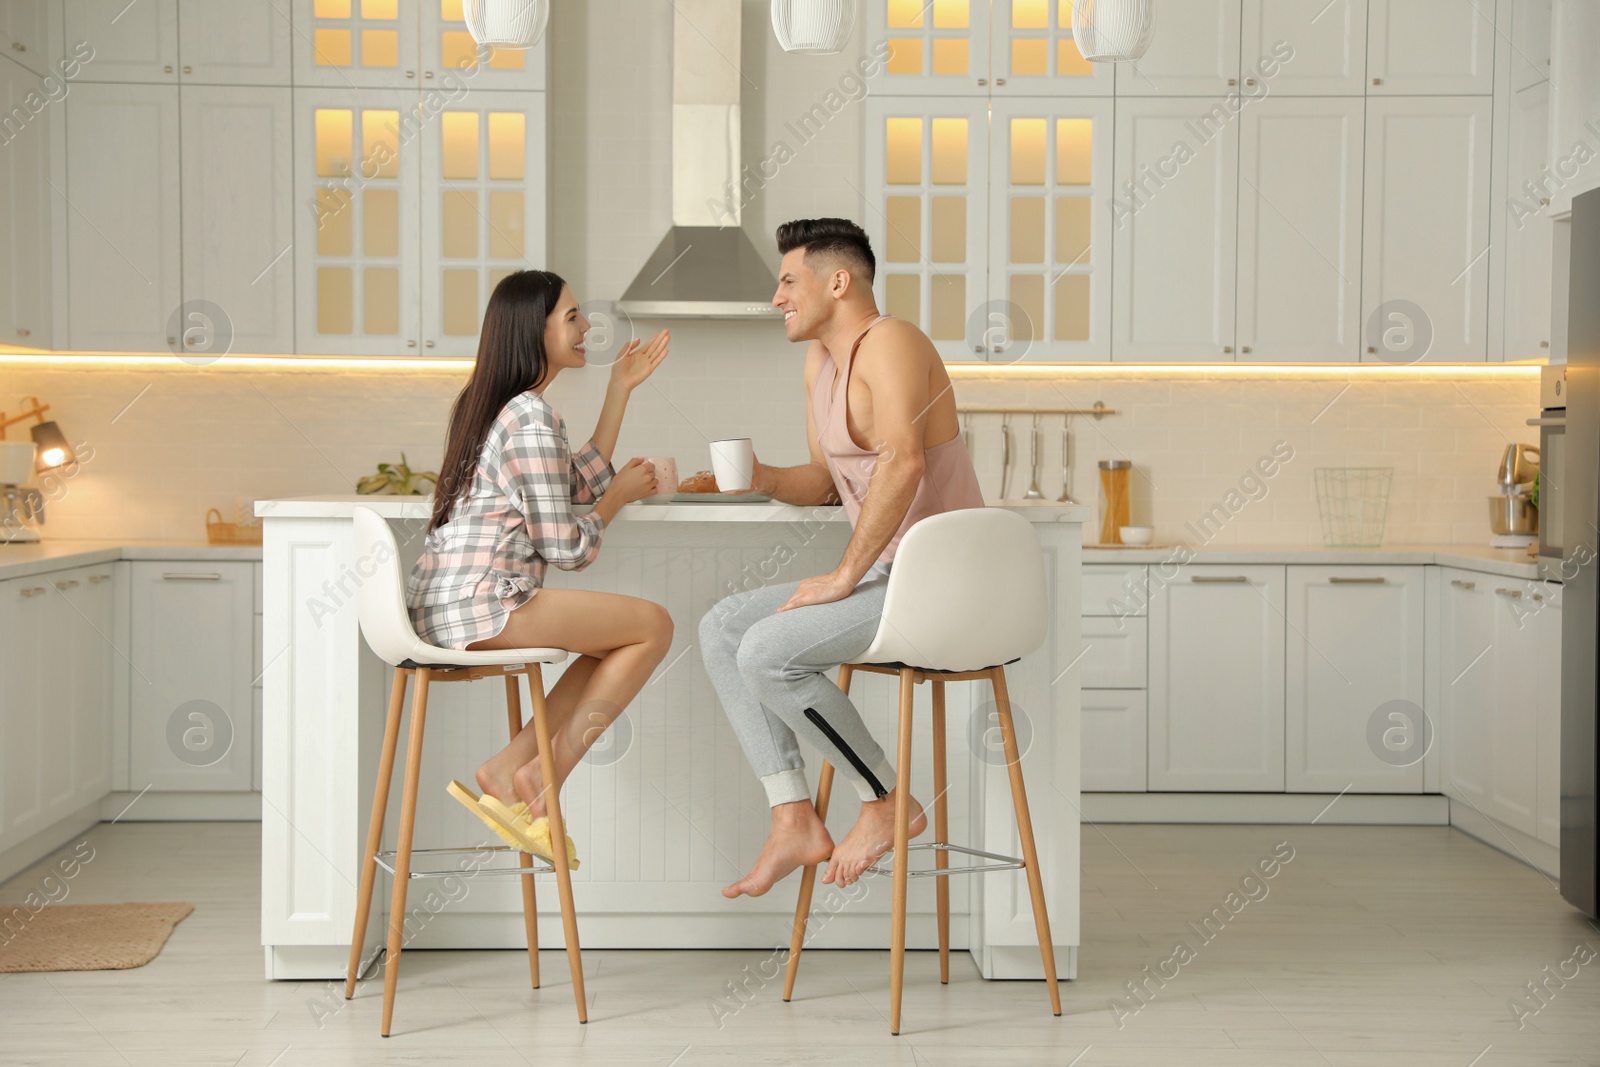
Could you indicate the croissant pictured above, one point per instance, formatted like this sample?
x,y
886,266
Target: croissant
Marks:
x,y
699,482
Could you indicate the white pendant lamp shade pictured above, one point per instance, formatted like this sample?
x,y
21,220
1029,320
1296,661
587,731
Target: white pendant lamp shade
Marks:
x,y
506,23
1112,31
813,27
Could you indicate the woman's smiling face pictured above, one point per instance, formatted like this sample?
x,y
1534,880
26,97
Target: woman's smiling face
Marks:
x,y
563,333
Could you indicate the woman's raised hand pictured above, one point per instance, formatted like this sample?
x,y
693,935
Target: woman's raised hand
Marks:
x,y
635,481
638,361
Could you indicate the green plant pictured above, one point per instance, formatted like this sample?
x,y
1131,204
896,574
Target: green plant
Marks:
x,y
398,479
1533,495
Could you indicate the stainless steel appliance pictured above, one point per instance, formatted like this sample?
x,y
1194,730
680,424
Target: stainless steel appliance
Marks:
x,y
21,507
1513,511
1552,424
1579,486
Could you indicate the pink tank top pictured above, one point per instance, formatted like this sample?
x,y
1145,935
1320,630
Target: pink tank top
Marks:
x,y
949,482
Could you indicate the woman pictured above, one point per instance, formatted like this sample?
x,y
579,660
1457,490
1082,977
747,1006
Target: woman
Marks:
x,y
502,513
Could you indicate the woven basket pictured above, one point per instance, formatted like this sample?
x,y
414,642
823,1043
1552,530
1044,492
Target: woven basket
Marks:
x,y
230,533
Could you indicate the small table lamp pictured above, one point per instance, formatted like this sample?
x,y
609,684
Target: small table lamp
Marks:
x,y
50,444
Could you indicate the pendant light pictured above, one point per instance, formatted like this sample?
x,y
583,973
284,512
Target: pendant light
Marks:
x,y
813,27
513,24
1112,31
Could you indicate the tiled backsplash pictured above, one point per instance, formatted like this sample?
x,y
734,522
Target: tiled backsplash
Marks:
x,y
168,443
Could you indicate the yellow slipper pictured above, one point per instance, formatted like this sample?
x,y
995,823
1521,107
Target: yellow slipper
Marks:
x,y
532,836
473,803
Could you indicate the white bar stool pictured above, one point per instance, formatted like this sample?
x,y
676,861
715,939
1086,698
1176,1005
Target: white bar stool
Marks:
x,y
966,596
386,625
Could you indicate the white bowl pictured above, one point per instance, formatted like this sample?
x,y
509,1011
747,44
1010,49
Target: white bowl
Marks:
x,y
1137,535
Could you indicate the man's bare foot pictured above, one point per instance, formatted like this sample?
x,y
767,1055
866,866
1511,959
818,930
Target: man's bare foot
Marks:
x,y
869,839
797,839
529,787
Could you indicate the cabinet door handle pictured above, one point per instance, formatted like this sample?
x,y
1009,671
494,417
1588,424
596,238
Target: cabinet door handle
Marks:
x,y
1233,81
96,579
1380,580
185,576
35,591
1227,350
1539,597
1249,81
1514,594
983,81
167,69
1560,420
1377,81
1459,584
24,333
1230,578
68,584
427,74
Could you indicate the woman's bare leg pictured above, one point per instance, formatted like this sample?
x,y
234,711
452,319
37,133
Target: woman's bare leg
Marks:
x,y
626,636
495,776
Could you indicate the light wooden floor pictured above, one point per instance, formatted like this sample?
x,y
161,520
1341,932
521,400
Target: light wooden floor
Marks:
x,y
1374,945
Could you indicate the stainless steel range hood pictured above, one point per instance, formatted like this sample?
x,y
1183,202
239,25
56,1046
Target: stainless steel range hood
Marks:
x,y
706,266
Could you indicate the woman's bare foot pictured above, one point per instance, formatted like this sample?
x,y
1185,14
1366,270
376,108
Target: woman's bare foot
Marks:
x,y
797,839
870,838
495,779
529,786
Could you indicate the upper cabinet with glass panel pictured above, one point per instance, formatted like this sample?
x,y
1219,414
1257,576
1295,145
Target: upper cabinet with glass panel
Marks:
x,y
962,47
399,43
1033,53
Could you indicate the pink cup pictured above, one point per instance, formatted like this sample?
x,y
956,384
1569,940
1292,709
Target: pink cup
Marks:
x,y
666,476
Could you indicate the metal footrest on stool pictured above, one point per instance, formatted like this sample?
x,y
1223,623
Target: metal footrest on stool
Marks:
x,y
1002,863
540,866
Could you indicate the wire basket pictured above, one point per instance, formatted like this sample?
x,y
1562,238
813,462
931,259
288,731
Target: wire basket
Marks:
x,y
1353,503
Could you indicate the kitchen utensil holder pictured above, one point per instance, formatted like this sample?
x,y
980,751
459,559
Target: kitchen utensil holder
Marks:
x,y
1353,503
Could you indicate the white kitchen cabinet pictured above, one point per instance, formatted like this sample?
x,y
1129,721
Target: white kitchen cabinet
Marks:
x,y
1175,232
1544,624
1113,732
25,209
448,52
33,669
1034,54
357,256
1049,238
123,229
934,49
356,45
483,194
927,164
133,42
25,34
1354,646
241,42
1426,222
1299,282
1530,42
1114,590
191,660
238,223
1217,680
1574,100
1116,653
88,604
1193,52
1328,39
1418,47
1530,233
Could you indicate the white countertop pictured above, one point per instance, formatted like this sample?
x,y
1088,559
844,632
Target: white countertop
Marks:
x,y
1507,562
43,557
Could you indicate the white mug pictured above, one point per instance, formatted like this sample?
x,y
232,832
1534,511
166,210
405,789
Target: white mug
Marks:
x,y
731,462
666,476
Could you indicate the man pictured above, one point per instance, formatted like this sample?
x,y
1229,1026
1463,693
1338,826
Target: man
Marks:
x,y
880,415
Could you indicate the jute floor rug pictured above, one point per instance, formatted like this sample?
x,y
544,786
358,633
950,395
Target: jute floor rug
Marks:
x,y
89,937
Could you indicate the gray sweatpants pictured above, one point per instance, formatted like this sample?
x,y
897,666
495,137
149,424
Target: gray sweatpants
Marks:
x,y
769,668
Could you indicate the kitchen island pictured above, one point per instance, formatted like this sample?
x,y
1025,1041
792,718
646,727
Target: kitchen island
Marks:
x,y
665,810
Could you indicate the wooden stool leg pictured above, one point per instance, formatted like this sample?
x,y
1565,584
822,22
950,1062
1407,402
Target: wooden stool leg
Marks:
x,y
808,877
902,854
402,856
1030,855
558,838
941,829
380,807
530,910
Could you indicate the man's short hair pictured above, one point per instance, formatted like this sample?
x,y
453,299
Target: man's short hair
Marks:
x,y
838,238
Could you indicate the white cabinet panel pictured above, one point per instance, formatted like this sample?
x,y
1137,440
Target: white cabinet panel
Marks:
x,y
238,207
1545,626
1300,230
1427,223
483,197
133,42
1529,230
1514,734
365,45
122,224
1574,98
1175,223
1194,52
1355,646
1113,734
1034,53
25,211
1111,589
241,42
1217,680
1049,235
1466,683
25,35
191,704
1530,42
1328,42
1116,654
450,57
933,49
29,666
1430,46
90,595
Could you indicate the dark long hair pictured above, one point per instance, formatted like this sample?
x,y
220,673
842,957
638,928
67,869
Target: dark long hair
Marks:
x,y
511,360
